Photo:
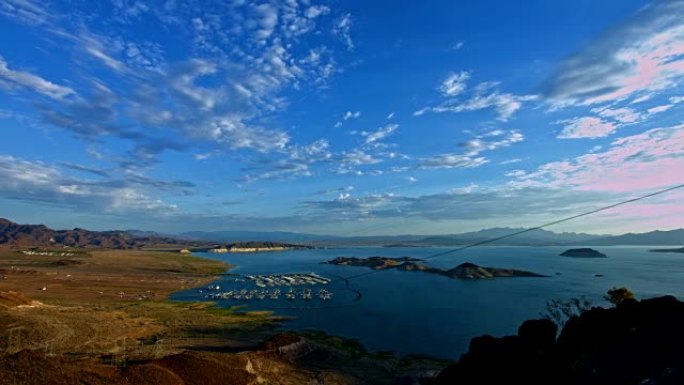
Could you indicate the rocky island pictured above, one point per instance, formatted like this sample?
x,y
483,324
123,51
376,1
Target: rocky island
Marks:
x,y
463,271
376,263
679,250
583,253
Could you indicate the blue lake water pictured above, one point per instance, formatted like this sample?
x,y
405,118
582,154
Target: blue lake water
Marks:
x,y
413,312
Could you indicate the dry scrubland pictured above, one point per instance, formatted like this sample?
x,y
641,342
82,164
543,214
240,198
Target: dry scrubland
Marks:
x,y
102,317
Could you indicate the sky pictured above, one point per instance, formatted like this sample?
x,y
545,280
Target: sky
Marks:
x,y
341,117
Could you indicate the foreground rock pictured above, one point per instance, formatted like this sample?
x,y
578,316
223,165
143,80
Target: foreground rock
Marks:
x,y
583,253
634,343
463,271
680,250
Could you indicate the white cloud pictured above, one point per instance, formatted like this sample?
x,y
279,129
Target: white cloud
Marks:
x,y
659,109
236,135
643,98
676,99
585,127
35,181
390,116
487,141
455,83
491,141
267,21
379,134
342,29
184,83
452,161
24,11
622,115
351,115
316,11
505,104
32,82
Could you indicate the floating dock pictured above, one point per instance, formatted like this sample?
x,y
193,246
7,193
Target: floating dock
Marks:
x,y
265,294
267,288
273,280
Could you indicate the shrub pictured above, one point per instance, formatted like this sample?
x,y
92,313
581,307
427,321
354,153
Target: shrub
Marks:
x,y
561,310
618,295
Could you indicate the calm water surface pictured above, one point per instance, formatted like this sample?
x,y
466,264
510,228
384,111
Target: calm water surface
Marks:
x,y
413,312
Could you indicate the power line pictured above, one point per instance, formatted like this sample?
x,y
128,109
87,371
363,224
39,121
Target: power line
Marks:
x,y
491,240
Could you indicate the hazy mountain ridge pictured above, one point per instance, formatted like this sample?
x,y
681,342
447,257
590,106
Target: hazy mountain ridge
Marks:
x,y
18,235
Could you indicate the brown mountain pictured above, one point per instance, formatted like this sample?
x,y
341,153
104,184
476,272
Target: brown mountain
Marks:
x,y
16,235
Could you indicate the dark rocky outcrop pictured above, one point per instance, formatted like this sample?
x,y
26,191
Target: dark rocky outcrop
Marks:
x,y
377,262
463,271
582,253
471,271
634,343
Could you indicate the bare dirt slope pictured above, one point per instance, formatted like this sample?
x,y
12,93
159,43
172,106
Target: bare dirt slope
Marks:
x,y
102,317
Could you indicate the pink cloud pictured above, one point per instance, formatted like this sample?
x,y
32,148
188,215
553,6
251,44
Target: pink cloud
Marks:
x,y
636,60
654,64
586,127
649,160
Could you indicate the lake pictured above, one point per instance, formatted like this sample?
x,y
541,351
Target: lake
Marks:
x,y
413,312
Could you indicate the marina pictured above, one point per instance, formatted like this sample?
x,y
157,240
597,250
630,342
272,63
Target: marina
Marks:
x,y
273,281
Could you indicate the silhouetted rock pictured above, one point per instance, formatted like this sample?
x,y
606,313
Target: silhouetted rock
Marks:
x,y
634,343
582,253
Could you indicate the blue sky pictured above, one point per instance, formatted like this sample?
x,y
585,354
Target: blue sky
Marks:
x,y
340,117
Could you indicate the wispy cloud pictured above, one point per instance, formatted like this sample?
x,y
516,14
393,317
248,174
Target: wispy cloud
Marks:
x,y
455,83
35,181
16,78
585,127
483,96
639,57
351,115
471,156
464,203
379,134
631,163
342,29
24,11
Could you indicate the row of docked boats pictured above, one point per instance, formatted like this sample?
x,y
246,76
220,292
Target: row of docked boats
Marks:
x,y
262,294
273,280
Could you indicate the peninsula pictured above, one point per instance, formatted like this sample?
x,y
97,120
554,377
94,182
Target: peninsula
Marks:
x,y
254,247
463,271
679,250
583,253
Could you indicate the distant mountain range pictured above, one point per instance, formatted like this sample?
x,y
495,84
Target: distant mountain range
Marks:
x,y
537,237
16,235
240,236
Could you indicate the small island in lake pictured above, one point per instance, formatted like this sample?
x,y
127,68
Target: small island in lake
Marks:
x,y
463,271
583,253
680,250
